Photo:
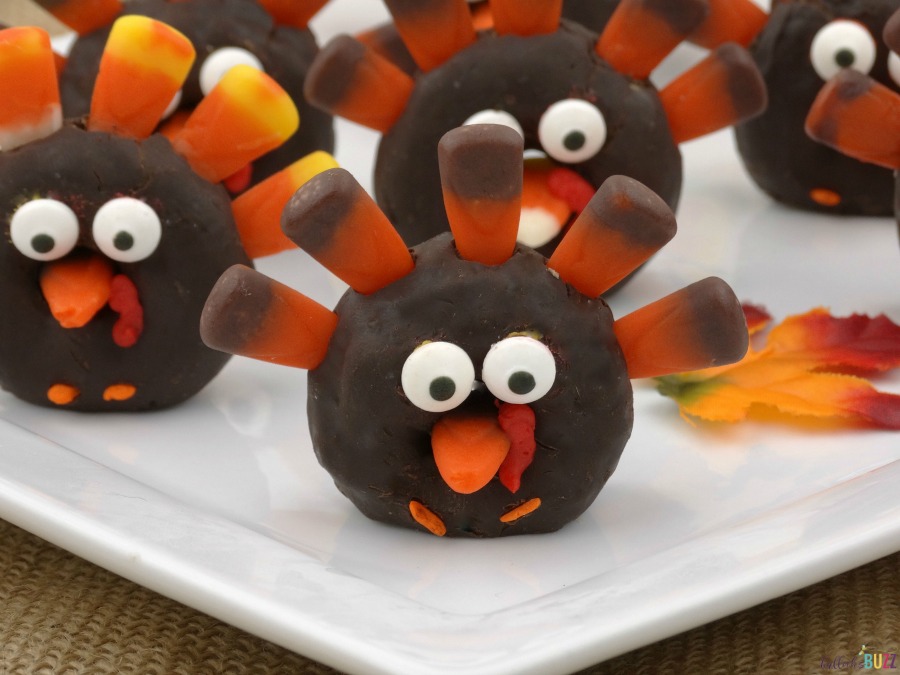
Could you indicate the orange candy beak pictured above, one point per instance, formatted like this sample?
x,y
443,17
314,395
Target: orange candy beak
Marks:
x,y
76,288
468,450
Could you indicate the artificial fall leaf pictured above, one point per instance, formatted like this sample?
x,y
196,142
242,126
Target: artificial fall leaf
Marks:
x,y
801,369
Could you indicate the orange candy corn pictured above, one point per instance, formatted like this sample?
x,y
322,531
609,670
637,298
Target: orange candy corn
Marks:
x,y
27,67
337,223
723,89
859,117
433,30
621,227
246,115
249,314
526,17
468,451
641,33
730,21
257,212
481,176
699,326
353,81
144,65
76,288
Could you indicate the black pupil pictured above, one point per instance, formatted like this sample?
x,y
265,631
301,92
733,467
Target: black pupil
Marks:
x,y
442,388
574,140
521,382
845,58
42,243
123,241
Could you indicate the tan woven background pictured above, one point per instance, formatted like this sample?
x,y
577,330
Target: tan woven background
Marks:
x,y
60,614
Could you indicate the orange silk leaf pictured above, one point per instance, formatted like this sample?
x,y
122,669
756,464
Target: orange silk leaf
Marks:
x,y
802,369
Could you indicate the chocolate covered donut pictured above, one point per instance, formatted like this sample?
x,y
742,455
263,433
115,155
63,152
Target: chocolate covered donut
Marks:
x,y
803,45
860,117
582,103
267,35
113,235
469,386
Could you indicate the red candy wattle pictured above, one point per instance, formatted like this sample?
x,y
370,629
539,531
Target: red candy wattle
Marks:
x,y
571,188
517,422
123,299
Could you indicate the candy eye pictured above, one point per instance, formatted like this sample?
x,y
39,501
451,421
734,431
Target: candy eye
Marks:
x,y
572,130
842,44
44,229
495,117
127,229
519,369
221,61
437,376
894,67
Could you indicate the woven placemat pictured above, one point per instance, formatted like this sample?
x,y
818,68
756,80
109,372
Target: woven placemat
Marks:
x,y
62,615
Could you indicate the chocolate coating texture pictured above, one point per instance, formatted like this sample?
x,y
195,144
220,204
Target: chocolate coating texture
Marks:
x,y
522,76
774,147
285,52
376,444
169,363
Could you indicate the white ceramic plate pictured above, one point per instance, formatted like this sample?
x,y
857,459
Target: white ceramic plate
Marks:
x,y
221,505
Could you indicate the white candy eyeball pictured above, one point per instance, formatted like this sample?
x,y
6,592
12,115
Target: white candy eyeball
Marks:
x,y
572,130
127,229
173,105
221,61
495,117
519,369
437,376
842,44
44,229
894,67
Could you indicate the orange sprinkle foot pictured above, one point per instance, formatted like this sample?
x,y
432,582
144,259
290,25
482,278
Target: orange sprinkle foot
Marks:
x,y
62,394
825,197
119,392
521,510
427,519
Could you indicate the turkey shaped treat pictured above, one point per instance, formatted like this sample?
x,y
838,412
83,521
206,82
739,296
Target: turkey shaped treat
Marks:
x,y
112,235
860,117
470,386
582,103
802,46
270,35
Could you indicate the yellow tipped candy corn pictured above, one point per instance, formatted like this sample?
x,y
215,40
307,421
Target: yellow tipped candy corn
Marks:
x,y
246,115
144,65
